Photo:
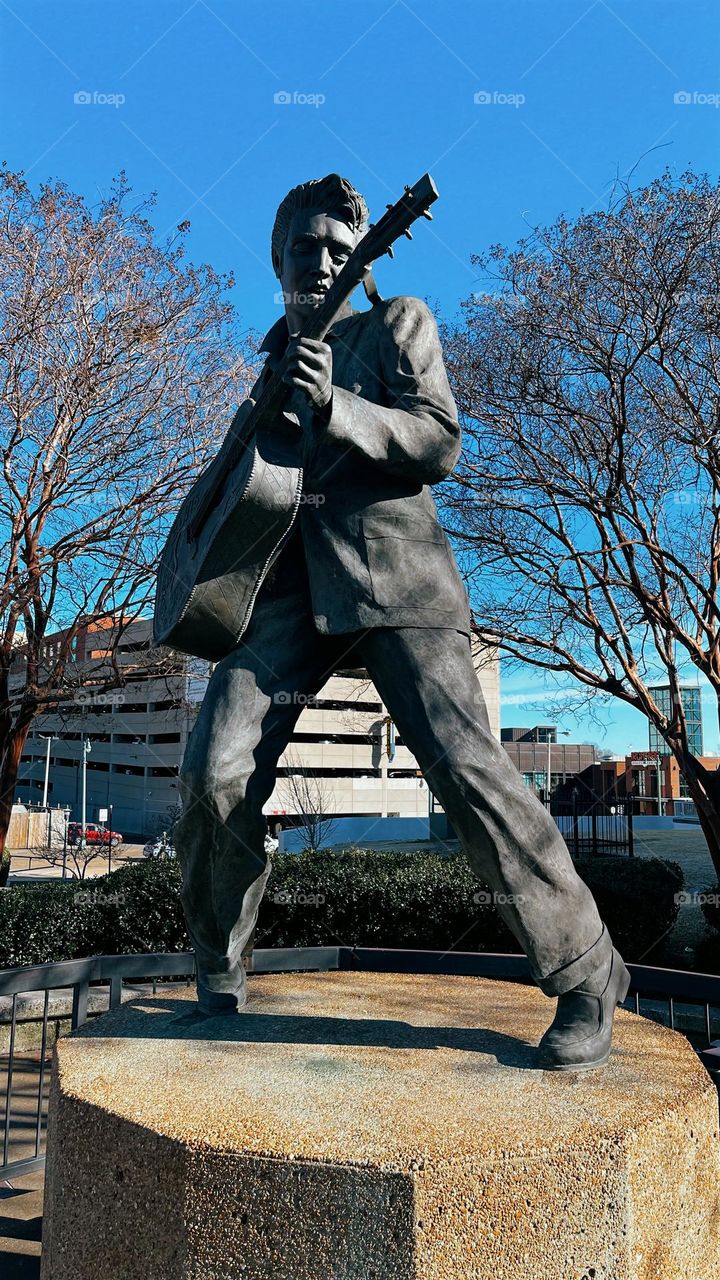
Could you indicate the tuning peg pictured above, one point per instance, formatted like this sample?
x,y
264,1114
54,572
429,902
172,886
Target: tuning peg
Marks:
x,y
427,214
408,234
390,251
408,188
388,206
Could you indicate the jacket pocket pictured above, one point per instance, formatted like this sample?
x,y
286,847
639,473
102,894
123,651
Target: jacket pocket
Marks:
x,y
410,563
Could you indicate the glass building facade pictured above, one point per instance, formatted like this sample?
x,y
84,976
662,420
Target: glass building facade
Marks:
x,y
691,700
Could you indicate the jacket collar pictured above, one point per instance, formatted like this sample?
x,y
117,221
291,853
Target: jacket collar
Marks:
x,y
276,338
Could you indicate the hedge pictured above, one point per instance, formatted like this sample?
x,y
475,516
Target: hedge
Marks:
x,y
414,900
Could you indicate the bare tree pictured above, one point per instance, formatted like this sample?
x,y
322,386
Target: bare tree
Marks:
x,y
587,504
119,373
305,793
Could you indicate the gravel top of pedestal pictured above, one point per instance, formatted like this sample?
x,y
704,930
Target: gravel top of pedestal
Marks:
x,y
372,1069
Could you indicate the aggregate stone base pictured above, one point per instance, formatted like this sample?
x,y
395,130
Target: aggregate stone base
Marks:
x,y
359,1126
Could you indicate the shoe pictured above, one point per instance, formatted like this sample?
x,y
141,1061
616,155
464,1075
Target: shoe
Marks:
x,y
212,1003
580,1033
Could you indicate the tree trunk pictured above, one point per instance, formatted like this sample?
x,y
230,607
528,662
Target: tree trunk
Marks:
x,y
9,767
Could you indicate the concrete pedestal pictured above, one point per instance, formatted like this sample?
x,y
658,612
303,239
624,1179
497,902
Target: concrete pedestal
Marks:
x,y
350,1126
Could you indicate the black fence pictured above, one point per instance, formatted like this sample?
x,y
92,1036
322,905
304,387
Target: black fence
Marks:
x,y
595,829
75,990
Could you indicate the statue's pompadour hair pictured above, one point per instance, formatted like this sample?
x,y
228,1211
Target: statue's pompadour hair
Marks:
x,y
333,195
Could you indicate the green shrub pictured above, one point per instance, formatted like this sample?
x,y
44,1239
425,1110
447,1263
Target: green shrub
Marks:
x,y
4,869
413,900
426,901
136,909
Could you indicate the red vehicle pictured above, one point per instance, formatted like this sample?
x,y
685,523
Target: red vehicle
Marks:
x,y
94,834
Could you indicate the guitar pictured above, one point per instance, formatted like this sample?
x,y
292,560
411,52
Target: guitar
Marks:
x,y
239,513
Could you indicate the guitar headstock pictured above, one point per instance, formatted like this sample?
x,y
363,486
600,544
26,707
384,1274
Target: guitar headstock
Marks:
x,y
414,203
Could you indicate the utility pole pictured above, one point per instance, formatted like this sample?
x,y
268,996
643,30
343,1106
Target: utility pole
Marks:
x,y
387,749
86,746
548,787
46,738
49,739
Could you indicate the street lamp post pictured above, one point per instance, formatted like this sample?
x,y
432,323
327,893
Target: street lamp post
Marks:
x,y
44,737
548,789
66,821
387,750
86,747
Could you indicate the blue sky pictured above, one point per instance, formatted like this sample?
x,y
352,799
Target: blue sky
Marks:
x,y
183,97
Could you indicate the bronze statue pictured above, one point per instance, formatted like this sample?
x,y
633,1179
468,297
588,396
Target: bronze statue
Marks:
x,y
358,573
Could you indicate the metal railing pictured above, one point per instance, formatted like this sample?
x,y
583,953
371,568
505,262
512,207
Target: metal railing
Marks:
x,y
594,829
103,976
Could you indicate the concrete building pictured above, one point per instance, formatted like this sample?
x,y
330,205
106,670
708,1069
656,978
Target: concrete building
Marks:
x,y
532,750
137,735
691,703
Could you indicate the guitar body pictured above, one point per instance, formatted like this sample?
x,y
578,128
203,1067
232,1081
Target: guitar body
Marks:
x,y
207,583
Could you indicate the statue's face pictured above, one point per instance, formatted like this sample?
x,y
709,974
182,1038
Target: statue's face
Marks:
x,y
316,249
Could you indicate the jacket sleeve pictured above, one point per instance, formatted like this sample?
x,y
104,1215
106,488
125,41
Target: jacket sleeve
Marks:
x,y
417,435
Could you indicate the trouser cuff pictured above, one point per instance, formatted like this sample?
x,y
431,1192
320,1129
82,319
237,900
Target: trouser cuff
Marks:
x,y
219,991
576,971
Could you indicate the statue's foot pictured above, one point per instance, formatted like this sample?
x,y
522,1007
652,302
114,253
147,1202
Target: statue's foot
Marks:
x,y
579,1035
211,1003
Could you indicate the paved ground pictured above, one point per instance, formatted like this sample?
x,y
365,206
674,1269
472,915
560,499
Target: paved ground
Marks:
x,y
26,867
21,1227
21,1197
687,846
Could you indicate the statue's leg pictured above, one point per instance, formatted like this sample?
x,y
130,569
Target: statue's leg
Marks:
x,y
253,700
427,680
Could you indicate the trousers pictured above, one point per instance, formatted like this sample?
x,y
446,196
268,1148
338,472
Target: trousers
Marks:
x,y
427,680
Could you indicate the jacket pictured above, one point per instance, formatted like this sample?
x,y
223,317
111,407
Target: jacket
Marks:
x,y
375,552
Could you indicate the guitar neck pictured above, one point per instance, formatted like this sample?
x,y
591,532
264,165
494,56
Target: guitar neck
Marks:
x,y
275,394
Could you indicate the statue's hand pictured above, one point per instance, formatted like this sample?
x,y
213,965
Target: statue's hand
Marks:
x,y
309,368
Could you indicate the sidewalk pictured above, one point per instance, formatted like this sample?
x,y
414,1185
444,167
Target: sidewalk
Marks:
x,y
26,866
